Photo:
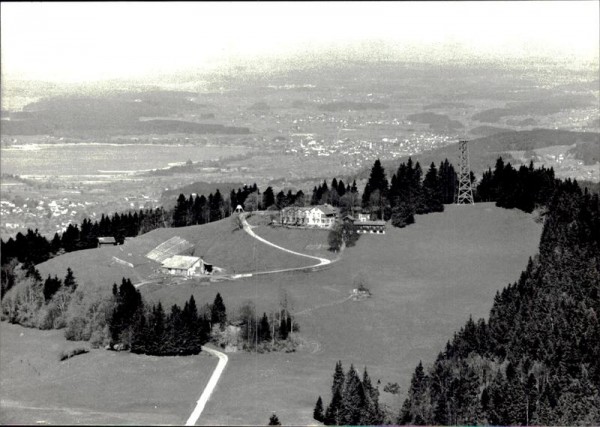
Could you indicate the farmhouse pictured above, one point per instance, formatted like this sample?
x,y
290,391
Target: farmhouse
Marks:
x,y
106,241
181,265
363,224
321,216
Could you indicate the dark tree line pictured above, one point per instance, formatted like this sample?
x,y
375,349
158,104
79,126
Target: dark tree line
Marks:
x,y
536,360
199,210
181,332
283,200
151,330
32,248
353,401
333,194
525,188
408,193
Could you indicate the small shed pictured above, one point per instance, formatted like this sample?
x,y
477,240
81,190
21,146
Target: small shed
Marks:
x,y
106,241
239,209
182,265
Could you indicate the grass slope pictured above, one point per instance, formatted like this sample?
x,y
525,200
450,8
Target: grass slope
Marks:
x,y
101,387
426,280
217,243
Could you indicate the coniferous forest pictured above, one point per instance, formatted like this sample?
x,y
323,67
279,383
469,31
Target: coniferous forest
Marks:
x,y
536,361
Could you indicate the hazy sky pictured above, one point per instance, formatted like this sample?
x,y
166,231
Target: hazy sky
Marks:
x,y
87,41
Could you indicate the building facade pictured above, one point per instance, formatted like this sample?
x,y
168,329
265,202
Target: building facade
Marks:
x,y
181,265
364,225
321,216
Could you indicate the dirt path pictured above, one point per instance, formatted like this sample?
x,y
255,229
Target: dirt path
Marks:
x,y
210,387
339,301
321,261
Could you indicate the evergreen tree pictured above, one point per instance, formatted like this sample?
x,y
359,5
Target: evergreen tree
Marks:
x,y
318,411
51,286
338,378
371,413
264,329
333,414
432,191
284,327
377,183
70,282
180,212
274,421
218,312
353,398
268,199
280,200
448,182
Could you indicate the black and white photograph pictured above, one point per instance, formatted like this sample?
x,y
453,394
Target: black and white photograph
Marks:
x,y
253,213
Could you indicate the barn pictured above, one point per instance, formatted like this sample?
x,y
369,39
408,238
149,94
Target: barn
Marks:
x,y
106,241
182,265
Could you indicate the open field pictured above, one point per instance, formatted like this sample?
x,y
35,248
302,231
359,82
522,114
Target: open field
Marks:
x,y
426,281
100,387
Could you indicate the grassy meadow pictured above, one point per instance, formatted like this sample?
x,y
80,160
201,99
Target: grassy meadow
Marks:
x,y
426,280
100,387
218,243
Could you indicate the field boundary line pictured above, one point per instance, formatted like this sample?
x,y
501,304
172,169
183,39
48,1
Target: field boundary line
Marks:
x,y
212,383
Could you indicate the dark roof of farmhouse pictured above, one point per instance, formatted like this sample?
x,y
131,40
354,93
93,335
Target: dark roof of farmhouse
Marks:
x,y
378,223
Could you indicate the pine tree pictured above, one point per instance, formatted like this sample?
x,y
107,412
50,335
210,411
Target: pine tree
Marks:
x,y
218,311
378,185
318,411
333,414
274,421
70,282
264,329
353,398
371,413
432,191
284,330
338,378
180,212
51,286
268,199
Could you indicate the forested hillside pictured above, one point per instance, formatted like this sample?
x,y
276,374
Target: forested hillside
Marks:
x,y
536,361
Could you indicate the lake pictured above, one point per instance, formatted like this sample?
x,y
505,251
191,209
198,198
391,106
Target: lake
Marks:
x,y
98,158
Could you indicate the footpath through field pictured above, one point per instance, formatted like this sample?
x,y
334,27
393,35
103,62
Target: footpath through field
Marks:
x,y
248,229
212,383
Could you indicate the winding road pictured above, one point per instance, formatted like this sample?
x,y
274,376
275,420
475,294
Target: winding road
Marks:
x,y
321,261
212,383
214,379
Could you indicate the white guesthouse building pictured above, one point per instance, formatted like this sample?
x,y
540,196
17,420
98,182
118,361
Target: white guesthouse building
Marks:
x,y
321,216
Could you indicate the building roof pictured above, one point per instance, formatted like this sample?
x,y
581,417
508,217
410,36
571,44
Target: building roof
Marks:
x,y
379,223
180,262
297,208
327,209
107,240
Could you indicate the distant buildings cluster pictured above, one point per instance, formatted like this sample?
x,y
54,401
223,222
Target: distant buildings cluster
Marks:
x,y
325,217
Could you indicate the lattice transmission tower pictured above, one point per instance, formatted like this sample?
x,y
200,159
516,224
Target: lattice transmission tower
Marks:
x,y
465,192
